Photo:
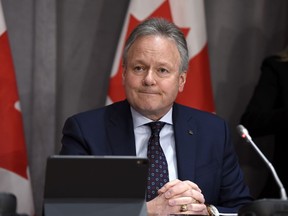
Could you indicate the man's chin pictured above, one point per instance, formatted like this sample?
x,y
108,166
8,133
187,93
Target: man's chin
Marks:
x,y
151,111
151,106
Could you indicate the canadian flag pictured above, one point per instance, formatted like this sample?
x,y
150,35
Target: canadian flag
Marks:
x,y
189,16
14,172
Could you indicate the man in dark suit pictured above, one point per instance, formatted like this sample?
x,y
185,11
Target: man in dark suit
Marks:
x,y
202,164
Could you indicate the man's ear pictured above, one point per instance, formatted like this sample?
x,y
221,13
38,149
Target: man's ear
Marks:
x,y
182,80
123,74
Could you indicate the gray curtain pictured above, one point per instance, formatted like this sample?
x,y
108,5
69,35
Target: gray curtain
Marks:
x,y
63,52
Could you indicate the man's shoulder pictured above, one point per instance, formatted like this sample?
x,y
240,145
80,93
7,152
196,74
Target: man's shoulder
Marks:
x,y
195,113
204,121
100,112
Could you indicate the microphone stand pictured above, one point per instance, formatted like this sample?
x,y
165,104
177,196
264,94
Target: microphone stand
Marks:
x,y
264,207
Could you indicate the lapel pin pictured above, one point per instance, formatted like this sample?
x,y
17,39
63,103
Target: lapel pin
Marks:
x,y
190,132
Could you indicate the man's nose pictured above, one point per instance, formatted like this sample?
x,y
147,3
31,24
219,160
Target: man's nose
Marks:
x,y
149,78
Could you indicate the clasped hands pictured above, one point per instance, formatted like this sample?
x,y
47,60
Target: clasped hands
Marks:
x,y
178,197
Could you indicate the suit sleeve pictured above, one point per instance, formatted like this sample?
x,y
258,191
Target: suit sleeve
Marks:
x,y
73,141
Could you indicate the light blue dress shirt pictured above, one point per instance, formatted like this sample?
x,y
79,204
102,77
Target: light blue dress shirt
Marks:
x,y
142,134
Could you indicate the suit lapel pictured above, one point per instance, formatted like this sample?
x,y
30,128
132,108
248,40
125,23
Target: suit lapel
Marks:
x,y
122,141
185,140
120,129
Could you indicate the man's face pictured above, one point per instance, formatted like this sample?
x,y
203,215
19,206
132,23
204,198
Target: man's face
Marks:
x,y
151,78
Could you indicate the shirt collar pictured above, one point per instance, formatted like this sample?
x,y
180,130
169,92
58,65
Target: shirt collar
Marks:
x,y
139,120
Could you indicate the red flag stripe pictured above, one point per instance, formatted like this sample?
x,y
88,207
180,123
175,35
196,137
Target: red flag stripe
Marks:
x,y
13,152
198,88
14,172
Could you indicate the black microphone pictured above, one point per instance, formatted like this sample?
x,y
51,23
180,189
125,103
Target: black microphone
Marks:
x,y
245,135
264,207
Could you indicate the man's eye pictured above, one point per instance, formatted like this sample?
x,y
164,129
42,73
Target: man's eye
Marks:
x,y
138,68
163,70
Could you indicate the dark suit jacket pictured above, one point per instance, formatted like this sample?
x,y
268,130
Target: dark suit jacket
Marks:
x,y
267,114
205,157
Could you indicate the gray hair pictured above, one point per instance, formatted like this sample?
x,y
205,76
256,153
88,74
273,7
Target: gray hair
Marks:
x,y
162,27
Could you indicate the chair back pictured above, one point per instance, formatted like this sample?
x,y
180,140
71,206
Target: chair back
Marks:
x,y
8,203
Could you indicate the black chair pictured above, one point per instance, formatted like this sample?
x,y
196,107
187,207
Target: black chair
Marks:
x,y
8,204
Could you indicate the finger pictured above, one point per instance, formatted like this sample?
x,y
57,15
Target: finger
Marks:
x,y
168,185
190,209
180,201
192,185
196,196
178,189
197,208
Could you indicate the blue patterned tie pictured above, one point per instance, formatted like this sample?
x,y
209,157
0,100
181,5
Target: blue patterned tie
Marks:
x,y
158,168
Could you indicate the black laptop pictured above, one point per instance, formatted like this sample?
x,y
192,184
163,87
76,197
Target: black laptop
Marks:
x,y
95,185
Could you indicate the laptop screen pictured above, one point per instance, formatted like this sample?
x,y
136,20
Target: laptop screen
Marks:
x,y
95,185
96,177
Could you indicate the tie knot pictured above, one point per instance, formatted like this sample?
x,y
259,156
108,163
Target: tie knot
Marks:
x,y
156,126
